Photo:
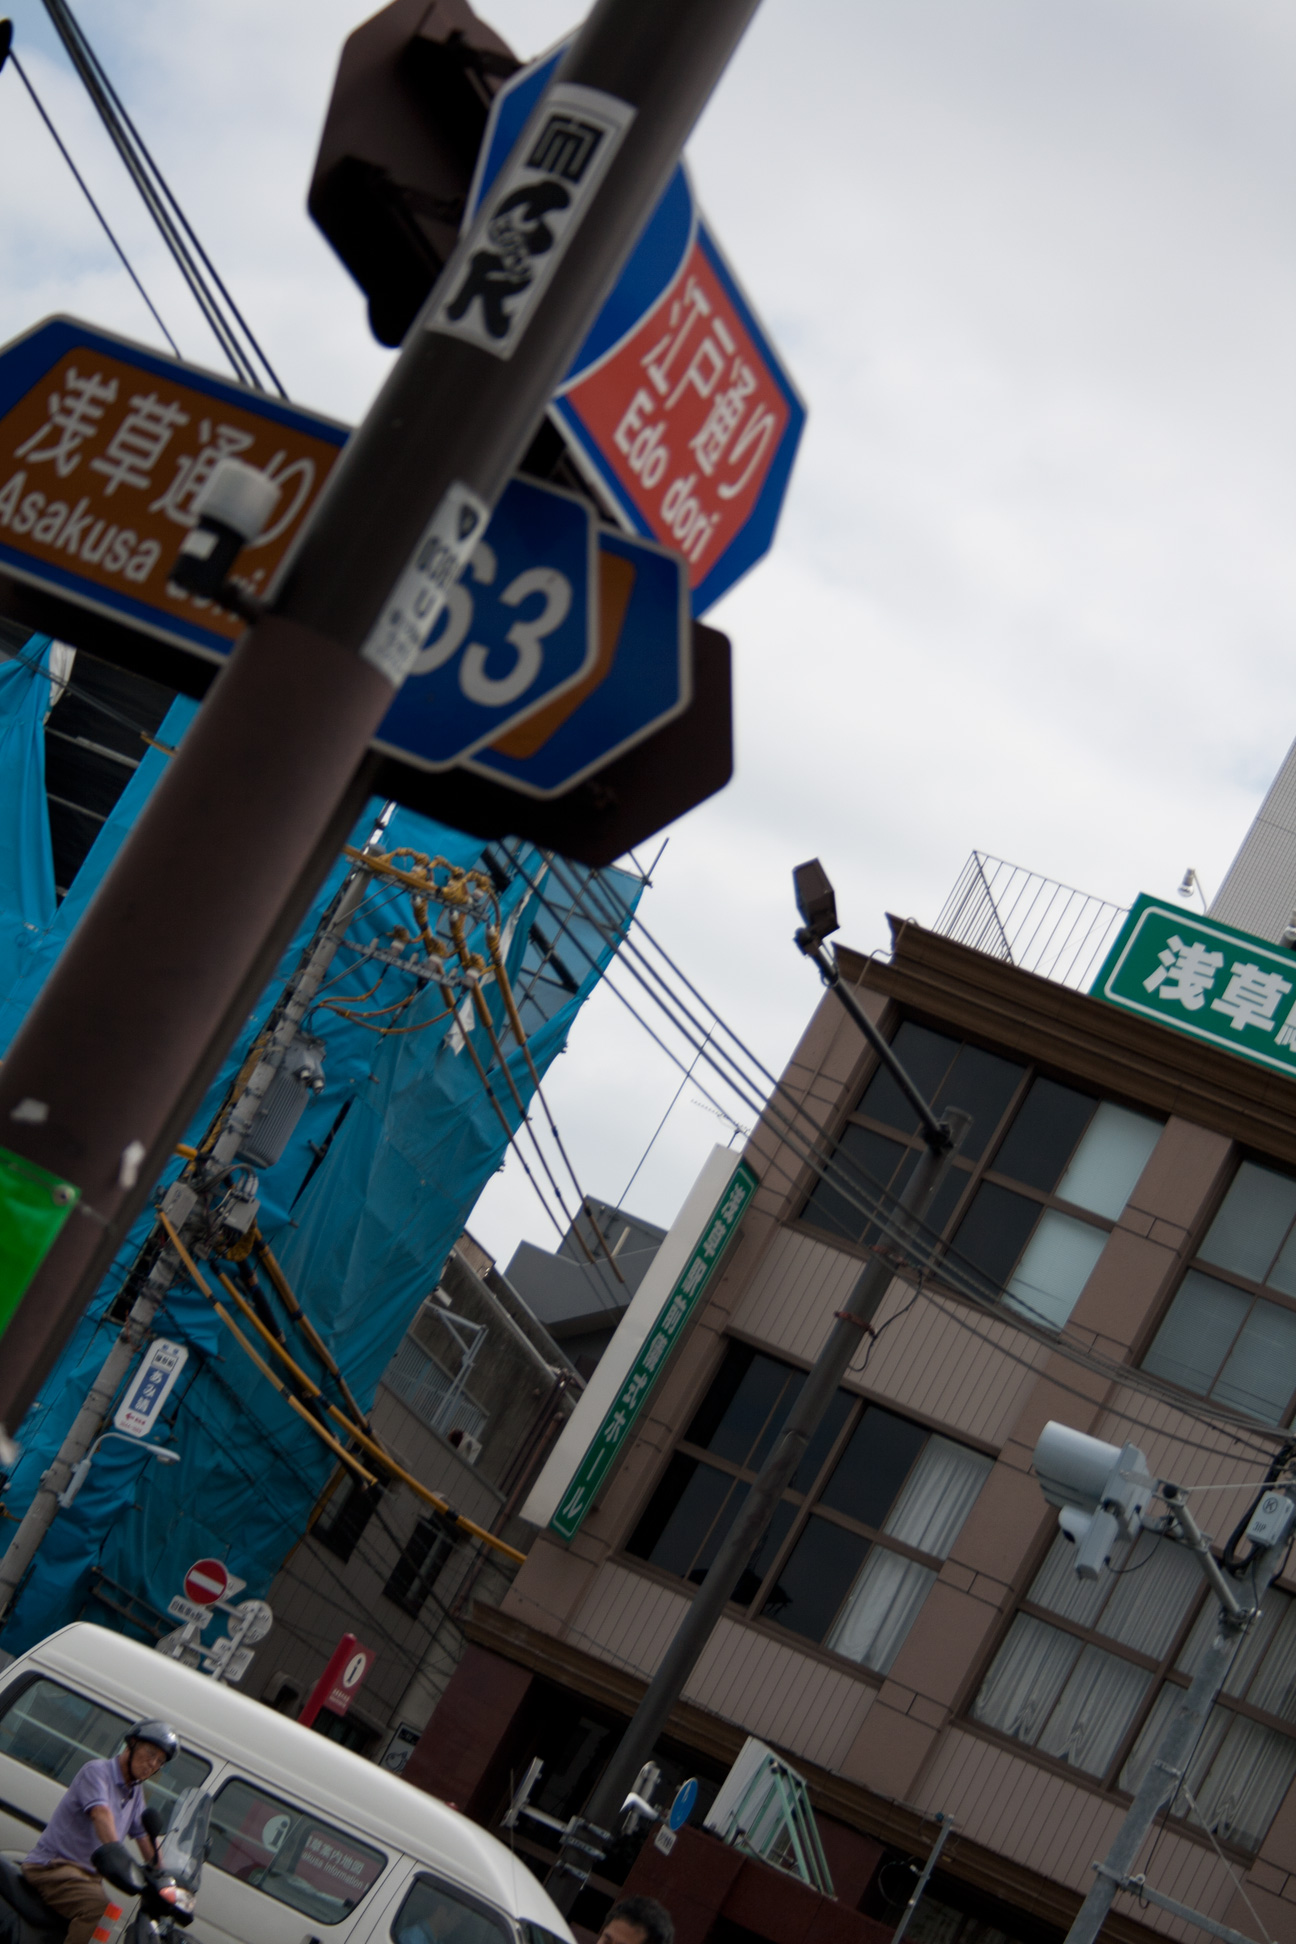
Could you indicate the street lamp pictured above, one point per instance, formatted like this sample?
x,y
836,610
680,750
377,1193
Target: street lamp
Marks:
x,y
81,1470
817,904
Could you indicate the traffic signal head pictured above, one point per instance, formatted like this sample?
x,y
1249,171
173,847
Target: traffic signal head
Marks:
x,y
400,142
1102,1491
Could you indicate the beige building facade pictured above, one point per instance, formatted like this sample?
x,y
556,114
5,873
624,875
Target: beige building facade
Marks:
x,y
1122,1256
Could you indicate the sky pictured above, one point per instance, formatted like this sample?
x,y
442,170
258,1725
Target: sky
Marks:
x,y
1031,268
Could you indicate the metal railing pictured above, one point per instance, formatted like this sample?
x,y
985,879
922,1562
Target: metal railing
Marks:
x,y
1030,921
432,1393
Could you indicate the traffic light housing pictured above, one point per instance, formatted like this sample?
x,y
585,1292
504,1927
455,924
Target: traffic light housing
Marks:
x,y
1102,1491
406,118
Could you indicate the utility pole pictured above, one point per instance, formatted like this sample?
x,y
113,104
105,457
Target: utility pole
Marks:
x,y
1167,1771
200,1217
149,987
841,1346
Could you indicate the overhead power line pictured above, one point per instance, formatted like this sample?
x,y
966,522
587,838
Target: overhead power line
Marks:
x,y
226,322
7,50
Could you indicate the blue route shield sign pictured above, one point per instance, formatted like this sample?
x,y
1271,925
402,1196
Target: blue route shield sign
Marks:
x,y
518,631
677,404
641,681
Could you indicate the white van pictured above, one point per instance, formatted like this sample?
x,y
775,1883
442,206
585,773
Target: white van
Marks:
x,y
310,1844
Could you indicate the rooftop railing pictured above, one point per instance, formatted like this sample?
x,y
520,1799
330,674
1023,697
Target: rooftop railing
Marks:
x,y
1030,921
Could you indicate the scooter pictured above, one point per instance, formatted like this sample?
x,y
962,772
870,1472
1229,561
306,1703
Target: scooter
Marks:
x,y
167,1889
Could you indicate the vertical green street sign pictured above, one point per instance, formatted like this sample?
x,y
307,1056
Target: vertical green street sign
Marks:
x,y
33,1208
1205,979
619,1421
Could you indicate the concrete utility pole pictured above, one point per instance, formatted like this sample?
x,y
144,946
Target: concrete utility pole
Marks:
x,y
752,1523
195,1211
150,988
1167,1770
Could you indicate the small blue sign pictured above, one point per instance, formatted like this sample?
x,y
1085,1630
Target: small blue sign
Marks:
x,y
682,1808
519,629
642,679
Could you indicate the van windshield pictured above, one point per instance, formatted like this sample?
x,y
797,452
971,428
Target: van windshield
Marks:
x,y
56,1731
293,1856
432,1913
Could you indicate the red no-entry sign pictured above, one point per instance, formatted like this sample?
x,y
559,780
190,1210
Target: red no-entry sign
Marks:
x,y
206,1582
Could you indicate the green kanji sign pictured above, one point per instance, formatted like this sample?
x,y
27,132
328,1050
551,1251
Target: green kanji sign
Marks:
x,y
1209,980
619,1421
33,1208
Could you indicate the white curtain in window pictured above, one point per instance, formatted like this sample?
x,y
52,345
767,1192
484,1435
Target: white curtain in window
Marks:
x,y
1028,1674
1055,1585
937,1497
1094,1711
1151,1596
1247,1781
1109,1160
1055,1268
1274,1687
880,1609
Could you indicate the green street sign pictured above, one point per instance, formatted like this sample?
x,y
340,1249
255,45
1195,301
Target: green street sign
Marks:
x,y
33,1208
618,1423
1209,980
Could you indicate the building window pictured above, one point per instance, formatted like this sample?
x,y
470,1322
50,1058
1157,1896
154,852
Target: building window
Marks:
x,y
1230,1333
341,1525
855,1544
1031,1196
426,1552
1089,1672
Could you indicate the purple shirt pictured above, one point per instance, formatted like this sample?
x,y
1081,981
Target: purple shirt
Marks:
x,y
70,1835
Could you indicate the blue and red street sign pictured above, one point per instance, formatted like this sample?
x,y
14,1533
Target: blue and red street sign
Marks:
x,y
677,404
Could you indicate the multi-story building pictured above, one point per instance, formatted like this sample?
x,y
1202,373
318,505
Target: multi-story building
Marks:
x,y
1121,1234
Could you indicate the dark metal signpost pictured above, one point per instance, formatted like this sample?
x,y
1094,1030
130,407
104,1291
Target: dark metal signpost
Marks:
x,y
150,988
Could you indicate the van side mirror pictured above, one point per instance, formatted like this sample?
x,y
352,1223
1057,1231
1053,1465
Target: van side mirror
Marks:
x,y
117,1866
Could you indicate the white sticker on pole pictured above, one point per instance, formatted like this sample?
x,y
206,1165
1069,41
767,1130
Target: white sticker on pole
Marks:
x,y
410,611
529,216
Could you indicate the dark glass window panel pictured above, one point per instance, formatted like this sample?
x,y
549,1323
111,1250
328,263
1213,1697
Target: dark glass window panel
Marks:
x,y
680,1515
926,1057
1044,1135
815,1578
864,1158
765,1554
994,1232
873,1467
822,1441
1260,1375
982,1084
748,1393
724,1386
426,1552
730,1507
341,1526
1254,1217
1198,1333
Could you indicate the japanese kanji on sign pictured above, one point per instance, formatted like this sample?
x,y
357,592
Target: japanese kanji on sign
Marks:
x,y
1206,979
614,1432
104,447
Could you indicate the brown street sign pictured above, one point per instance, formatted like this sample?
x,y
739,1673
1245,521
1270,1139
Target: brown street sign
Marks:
x,y
104,446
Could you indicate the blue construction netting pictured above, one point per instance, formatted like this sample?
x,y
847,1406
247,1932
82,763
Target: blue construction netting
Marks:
x,y
361,1210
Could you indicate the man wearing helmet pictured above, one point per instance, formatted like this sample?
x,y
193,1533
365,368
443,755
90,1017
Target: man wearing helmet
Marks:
x,y
104,1803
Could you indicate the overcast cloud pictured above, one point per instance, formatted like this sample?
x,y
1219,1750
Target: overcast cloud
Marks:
x,y
1031,266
